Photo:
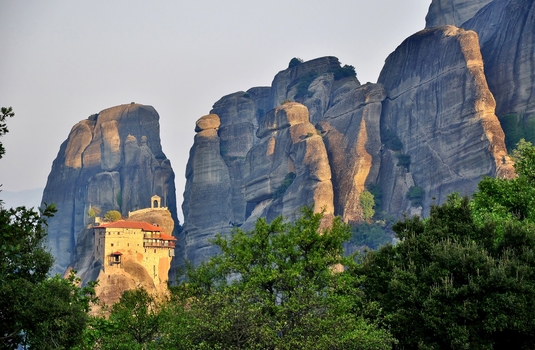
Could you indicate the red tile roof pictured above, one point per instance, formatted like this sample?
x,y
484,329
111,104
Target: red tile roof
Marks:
x,y
117,253
167,237
144,226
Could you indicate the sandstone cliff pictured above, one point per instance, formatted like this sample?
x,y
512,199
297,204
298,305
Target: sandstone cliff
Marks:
x,y
111,161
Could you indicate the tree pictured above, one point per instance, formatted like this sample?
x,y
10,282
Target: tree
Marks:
x,y
450,283
275,287
5,112
503,201
113,215
367,203
35,310
133,323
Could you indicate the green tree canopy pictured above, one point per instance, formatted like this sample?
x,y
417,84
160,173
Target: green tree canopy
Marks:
x,y
275,287
113,215
448,284
35,310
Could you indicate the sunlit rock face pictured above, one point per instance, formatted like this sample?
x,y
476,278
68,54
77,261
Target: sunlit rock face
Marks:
x,y
288,168
506,30
453,12
507,35
111,161
439,105
318,137
351,132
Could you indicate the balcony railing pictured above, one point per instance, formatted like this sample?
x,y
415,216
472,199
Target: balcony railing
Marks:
x,y
158,243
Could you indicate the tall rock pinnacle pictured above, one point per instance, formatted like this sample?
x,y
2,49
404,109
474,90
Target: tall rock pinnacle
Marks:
x,y
111,161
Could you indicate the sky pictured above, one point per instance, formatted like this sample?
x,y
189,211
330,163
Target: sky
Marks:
x,y
64,60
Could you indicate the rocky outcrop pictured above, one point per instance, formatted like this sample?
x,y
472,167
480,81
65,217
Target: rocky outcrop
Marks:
x,y
454,12
207,197
429,126
288,169
351,132
507,32
440,108
111,161
310,83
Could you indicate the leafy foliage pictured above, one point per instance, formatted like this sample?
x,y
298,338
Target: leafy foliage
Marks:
x,y
93,211
371,235
504,201
42,312
367,203
134,323
344,72
113,215
35,311
416,195
377,193
404,160
448,285
391,140
5,112
303,85
517,127
274,287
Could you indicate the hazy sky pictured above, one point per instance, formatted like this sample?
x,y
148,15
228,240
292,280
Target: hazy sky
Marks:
x,y
63,60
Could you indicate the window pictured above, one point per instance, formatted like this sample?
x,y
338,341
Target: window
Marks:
x,y
112,244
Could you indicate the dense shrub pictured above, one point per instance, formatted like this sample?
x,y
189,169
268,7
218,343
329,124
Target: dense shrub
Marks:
x,y
295,62
517,127
416,195
344,72
404,160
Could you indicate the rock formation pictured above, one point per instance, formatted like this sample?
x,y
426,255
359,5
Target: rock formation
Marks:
x,y
443,113
351,132
429,124
506,31
454,12
507,35
288,168
111,161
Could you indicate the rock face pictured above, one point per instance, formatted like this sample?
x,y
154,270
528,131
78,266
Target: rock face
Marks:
x,y
454,12
351,132
111,161
506,33
429,123
289,167
443,113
